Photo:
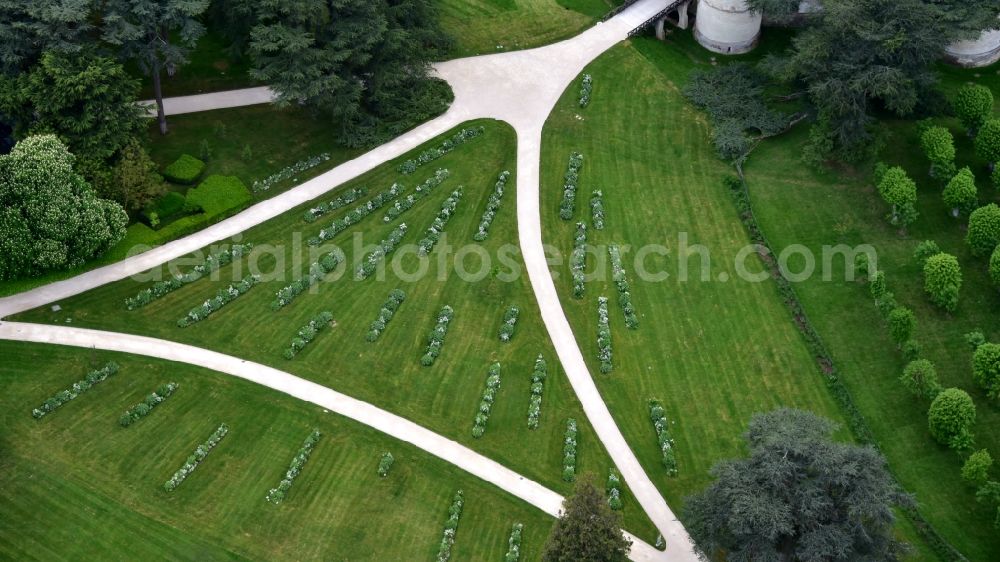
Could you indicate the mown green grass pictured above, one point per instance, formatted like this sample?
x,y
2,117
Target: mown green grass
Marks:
x,y
443,397
76,485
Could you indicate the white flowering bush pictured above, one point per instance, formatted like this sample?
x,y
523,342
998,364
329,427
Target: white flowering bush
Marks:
x,y
221,299
344,200
277,494
597,209
369,264
142,409
661,544
432,154
614,489
537,388
385,464
514,544
317,271
486,402
289,172
211,263
436,229
451,527
421,192
195,458
79,387
578,260
435,340
569,451
509,323
624,290
396,298
586,87
570,181
658,416
355,215
603,335
492,207
308,333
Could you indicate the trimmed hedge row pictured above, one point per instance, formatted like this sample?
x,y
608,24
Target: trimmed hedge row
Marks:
x,y
586,88
435,340
451,527
614,489
199,454
369,265
78,388
221,299
317,271
569,451
578,260
537,389
308,333
185,170
277,495
355,215
436,228
492,207
142,409
597,209
344,200
658,416
514,544
421,192
385,314
624,289
211,263
486,402
603,335
385,464
509,323
289,171
571,179
432,154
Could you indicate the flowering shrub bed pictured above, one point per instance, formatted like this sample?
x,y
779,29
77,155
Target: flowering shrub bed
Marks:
x,y
624,289
597,209
290,171
451,527
211,263
572,177
344,200
432,154
422,191
486,402
436,338
78,388
509,323
492,207
142,409
317,271
578,259
221,299
436,228
603,335
537,388
369,264
355,215
308,333
569,451
585,89
514,544
396,298
614,490
195,459
385,463
276,495
659,418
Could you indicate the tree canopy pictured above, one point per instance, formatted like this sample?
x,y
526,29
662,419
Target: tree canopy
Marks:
x,y
588,529
30,27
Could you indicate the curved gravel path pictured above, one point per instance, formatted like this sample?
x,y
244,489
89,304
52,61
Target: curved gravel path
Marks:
x,y
520,88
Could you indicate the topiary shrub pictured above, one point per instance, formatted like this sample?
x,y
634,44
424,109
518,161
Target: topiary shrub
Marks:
x,y
185,170
939,147
973,105
984,230
942,280
960,193
899,191
986,368
951,417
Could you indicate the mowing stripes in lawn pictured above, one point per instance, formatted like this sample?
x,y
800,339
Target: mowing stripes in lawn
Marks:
x,y
277,495
78,388
199,454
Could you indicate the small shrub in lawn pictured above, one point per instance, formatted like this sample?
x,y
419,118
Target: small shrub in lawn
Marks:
x,y
385,314
355,215
514,544
421,192
492,207
436,229
960,193
902,321
308,333
603,335
951,417
597,209
509,323
586,87
140,410
624,289
199,454
77,388
486,402
572,178
369,265
451,527
211,263
317,271
569,451
432,154
976,470
537,389
662,426
205,150
277,494
221,299
578,260
984,230
435,340
614,489
943,280
185,170
920,378
345,199
289,172
385,464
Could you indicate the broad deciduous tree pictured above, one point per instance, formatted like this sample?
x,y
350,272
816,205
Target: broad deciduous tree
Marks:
x,y
960,193
943,280
986,368
951,417
984,230
898,190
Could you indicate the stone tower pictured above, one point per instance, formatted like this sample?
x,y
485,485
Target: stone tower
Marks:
x,y
726,26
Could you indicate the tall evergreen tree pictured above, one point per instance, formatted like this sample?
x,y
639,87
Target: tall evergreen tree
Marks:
x,y
30,27
145,29
588,530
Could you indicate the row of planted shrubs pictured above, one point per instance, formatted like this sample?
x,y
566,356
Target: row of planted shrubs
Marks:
x,y
319,269
308,333
661,425
435,340
199,454
538,377
510,317
369,265
614,489
142,409
597,209
86,383
211,263
487,400
385,314
624,290
451,527
422,191
431,154
570,181
289,172
277,494
603,336
492,207
569,451
578,260
352,195
436,229
221,299
356,215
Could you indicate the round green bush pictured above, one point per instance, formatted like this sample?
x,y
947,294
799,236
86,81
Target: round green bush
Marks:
x,y
902,321
986,368
995,266
973,105
960,193
920,378
988,141
951,416
942,280
984,230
